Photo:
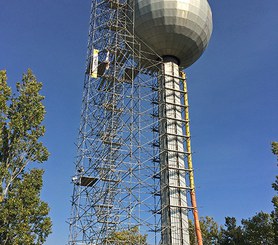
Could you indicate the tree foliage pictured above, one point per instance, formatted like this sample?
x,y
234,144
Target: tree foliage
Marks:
x,y
209,228
127,237
274,213
258,229
274,148
23,216
192,234
232,233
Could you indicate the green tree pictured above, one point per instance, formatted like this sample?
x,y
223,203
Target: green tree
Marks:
x,y
209,228
274,213
274,146
258,229
23,216
127,237
233,234
192,234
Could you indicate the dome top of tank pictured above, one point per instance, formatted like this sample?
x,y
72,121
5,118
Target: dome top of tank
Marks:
x,y
179,28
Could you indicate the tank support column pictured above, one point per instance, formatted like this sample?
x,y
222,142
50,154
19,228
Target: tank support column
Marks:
x,y
174,209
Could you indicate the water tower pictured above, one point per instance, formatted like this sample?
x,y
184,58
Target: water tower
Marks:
x,y
178,31
134,161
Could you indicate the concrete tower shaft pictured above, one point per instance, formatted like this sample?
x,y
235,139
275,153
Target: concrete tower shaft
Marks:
x,y
174,217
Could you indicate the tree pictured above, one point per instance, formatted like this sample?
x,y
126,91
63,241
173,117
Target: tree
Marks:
x,y
127,237
275,148
274,213
192,234
233,234
210,231
23,216
258,229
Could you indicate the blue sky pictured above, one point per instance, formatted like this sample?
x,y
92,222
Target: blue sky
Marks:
x,y
232,91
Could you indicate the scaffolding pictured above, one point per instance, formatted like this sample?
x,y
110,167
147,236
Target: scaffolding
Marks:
x,y
120,179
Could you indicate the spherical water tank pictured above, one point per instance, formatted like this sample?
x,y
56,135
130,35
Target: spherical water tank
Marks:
x,y
179,28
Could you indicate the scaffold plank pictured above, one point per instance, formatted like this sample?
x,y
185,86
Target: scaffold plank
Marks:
x,y
87,181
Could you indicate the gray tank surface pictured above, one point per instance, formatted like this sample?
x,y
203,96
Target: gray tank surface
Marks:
x,y
179,28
